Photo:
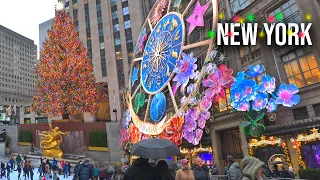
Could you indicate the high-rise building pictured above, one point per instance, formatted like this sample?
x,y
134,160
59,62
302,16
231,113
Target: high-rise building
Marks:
x,y
18,56
43,31
108,28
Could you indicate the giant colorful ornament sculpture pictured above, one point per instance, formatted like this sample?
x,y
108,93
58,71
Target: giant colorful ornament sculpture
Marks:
x,y
171,91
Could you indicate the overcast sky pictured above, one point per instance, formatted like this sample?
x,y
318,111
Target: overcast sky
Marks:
x,y
24,16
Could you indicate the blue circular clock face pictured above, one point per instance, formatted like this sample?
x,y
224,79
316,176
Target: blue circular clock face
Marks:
x,y
161,53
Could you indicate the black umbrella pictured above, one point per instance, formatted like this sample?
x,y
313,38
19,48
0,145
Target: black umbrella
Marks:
x,y
155,149
171,164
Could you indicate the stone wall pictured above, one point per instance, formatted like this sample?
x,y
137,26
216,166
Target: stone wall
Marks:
x,y
113,134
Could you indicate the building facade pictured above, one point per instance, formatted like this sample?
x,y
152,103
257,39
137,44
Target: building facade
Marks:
x,y
43,31
108,28
288,64
18,58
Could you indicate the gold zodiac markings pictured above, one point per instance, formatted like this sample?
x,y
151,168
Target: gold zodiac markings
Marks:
x,y
149,84
144,66
177,37
166,24
174,24
168,72
174,54
159,28
158,80
151,40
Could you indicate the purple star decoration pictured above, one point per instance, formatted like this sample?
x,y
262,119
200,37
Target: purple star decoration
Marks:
x,y
196,18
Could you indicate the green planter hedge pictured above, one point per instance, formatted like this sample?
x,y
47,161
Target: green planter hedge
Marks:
x,y
25,136
98,138
310,174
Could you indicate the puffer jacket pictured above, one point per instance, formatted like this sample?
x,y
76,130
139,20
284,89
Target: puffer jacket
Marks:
x,y
85,171
250,167
234,172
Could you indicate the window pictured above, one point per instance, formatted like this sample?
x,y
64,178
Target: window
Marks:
x,y
100,26
300,113
113,2
237,5
289,11
101,39
117,41
116,28
97,1
119,55
74,1
125,11
127,24
224,104
116,35
115,15
302,72
125,4
86,9
249,53
316,109
102,45
98,13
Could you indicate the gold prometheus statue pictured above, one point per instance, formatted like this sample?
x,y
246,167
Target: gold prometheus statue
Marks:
x,y
50,143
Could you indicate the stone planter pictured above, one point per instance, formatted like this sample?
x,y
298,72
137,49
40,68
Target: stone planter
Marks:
x,y
93,148
7,150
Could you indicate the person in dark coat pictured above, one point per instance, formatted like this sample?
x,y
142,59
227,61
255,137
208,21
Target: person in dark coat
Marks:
x,y
11,162
200,171
140,170
3,169
85,171
65,170
18,160
8,168
162,171
76,170
19,171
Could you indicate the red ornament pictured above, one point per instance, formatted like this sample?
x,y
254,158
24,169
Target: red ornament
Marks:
x,y
236,19
271,19
301,34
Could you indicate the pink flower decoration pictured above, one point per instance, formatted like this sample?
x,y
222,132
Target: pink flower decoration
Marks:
x,y
221,78
205,103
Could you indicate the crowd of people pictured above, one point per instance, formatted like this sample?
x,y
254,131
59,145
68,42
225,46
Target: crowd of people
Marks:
x,y
251,169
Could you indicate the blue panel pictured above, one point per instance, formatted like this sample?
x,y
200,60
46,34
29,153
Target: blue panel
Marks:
x,y
162,50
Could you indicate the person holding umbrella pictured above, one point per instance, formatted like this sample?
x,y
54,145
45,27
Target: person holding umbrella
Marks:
x,y
185,173
140,170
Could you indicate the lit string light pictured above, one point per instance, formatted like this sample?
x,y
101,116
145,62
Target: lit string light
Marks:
x,y
66,84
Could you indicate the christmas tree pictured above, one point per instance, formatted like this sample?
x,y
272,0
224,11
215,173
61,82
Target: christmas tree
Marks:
x,y
66,84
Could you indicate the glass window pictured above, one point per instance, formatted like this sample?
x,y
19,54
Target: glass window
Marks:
x,y
74,1
97,1
117,41
98,7
100,32
125,4
116,28
118,48
125,11
115,15
101,39
300,113
237,5
249,53
289,11
304,71
127,24
100,26
102,45
224,104
99,13
113,2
